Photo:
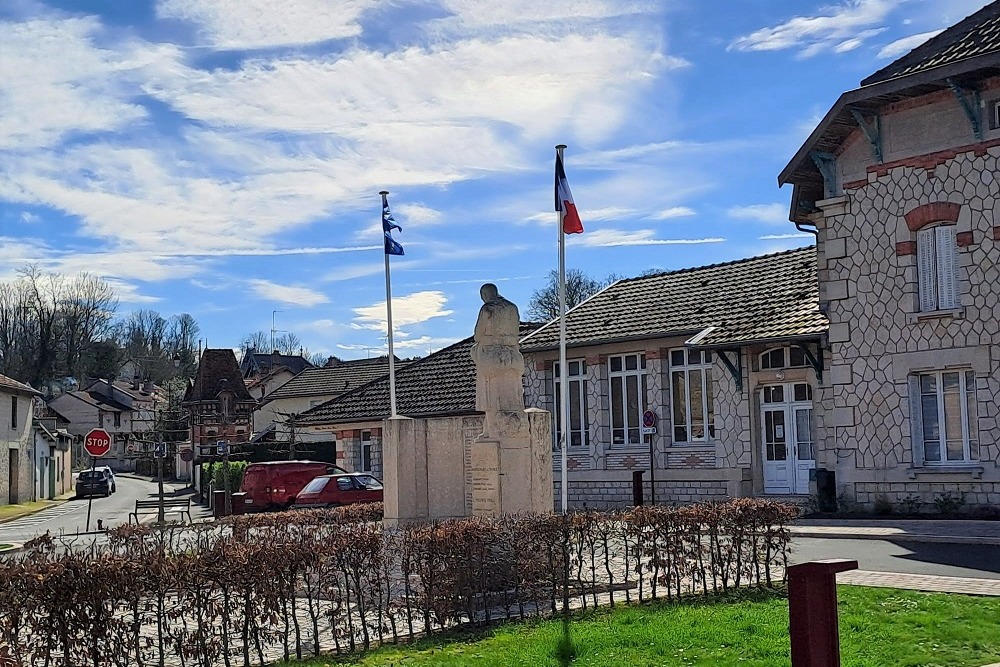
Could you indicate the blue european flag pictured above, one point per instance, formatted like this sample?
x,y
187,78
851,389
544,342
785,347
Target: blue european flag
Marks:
x,y
388,224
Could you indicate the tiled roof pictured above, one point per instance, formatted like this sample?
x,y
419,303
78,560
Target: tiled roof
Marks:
x,y
215,366
442,383
976,35
10,384
335,380
760,298
267,361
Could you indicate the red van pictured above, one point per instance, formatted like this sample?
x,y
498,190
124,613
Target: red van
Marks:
x,y
274,485
337,490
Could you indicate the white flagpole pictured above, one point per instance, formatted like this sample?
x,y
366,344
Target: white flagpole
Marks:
x,y
388,318
563,368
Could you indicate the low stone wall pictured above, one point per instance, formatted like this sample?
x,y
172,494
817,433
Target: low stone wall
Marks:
x,y
922,495
615,494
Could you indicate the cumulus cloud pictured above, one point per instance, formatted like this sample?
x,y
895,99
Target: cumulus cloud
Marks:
x,y
406,310
840,28
290,294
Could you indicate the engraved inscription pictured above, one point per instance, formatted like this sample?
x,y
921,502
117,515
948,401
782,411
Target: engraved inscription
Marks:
x,y
486,479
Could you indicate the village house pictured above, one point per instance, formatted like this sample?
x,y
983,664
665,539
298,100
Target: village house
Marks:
x,y
900,183
219,406
282,367
53,454
16,464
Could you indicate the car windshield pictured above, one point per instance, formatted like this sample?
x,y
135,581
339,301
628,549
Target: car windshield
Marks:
x,y
368,482
316,485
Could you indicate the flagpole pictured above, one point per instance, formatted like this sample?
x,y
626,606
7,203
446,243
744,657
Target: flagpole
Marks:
x,y
563,368
388,318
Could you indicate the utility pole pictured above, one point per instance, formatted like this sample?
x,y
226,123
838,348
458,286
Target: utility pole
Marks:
x,y
291,436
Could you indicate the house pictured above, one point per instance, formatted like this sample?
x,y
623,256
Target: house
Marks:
x,y
123,409
255,364
218,404
441,384
709,371
900,183
316,385
53,454
16,469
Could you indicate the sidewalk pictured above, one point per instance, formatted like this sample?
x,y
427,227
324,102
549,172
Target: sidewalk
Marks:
x,y
958,531
10,513
921,582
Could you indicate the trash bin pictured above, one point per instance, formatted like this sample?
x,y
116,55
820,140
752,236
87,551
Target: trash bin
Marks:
x,y
219,504
239,502
637,487
826,490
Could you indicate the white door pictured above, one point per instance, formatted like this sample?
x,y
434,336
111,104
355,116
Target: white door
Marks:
x,y
787,440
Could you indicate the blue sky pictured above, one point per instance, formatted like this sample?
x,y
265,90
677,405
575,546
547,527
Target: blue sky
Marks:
x,y
224,157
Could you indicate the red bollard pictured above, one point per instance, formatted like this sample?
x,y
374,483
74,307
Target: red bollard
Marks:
x,y
812,612
219,504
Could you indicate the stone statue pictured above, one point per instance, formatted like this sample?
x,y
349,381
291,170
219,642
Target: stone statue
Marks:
x,y
499,364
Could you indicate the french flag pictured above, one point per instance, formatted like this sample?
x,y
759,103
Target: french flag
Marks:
x,y
564,202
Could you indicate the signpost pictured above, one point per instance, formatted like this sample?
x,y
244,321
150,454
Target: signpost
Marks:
x,y
649,429
97,444
159,450
220,448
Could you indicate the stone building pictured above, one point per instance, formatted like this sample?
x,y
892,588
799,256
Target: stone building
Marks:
x,y
726,358
900,183
16,459
218,404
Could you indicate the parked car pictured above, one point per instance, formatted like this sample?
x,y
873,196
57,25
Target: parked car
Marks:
x,y
336,490
110,474
274,485
93,483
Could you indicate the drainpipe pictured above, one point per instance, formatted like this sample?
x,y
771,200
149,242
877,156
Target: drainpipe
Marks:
x,y
801,226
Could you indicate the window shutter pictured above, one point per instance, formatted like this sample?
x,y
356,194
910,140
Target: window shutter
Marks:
x,y
947,262
926,270
916,422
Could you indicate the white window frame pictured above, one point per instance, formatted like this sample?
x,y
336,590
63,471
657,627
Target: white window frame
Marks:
x,y
577,376
937,268
967,425
365,451
630,433
702,367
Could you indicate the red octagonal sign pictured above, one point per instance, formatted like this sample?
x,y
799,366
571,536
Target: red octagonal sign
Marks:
x,y
97,443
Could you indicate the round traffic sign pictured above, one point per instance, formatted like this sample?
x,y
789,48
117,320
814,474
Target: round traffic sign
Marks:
x,y
97,443
187,455
649,419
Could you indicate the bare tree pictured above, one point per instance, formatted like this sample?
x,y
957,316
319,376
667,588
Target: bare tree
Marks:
x,y
544,304
258,341
85,315
288,343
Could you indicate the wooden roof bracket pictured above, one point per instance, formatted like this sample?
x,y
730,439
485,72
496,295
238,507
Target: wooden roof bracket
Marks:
x,y
872,132
815,360
735,367
827,165
968,98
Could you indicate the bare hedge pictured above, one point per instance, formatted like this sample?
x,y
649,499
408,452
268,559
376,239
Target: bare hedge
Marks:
x,y
284,585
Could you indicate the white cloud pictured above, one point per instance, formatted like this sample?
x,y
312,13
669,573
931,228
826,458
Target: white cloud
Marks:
x,y
406,310
771,214
673,212
29,218
290,294
248,24
906,44
842,27
603,238
129,293
606,213
782,237
417,214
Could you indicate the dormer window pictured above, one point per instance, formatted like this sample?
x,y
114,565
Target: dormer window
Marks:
x,y
937,268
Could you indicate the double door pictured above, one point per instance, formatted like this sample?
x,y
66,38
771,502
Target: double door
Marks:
x,y
789,451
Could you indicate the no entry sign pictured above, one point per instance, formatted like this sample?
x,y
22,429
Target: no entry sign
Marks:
x,y
97,443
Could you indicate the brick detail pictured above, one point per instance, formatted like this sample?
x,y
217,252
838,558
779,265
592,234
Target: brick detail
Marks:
x,y
933,212
932,160
854,185
906,248
654,353
541,365
964,239
594,359
996,233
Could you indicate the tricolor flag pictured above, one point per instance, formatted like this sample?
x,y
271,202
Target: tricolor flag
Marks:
x,y
389,224
564,202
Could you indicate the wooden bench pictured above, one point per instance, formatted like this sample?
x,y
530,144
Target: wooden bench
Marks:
x,y
180,506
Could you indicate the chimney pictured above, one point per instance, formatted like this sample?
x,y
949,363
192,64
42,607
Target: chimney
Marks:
x,y
135,382
147,387
331,362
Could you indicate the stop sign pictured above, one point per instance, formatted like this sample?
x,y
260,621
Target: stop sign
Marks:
x,y
97,443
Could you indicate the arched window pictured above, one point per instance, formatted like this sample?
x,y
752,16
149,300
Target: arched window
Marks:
x,y
937,268
782,357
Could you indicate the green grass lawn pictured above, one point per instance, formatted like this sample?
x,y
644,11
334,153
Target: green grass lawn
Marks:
x,y
879,627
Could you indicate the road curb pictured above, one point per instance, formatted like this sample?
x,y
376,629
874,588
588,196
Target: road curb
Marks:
x,y
14,548
55,503
898,537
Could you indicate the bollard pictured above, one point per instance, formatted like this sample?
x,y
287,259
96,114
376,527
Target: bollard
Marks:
x,y
219,503
637,487
812,612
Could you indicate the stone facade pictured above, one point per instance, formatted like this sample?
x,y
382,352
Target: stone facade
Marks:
x,y
880,341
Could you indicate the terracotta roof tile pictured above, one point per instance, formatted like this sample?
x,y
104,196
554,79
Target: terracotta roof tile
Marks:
x,y
11,384
335,380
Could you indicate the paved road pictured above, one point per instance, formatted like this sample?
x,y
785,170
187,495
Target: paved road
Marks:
x,y
71,516
949,560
